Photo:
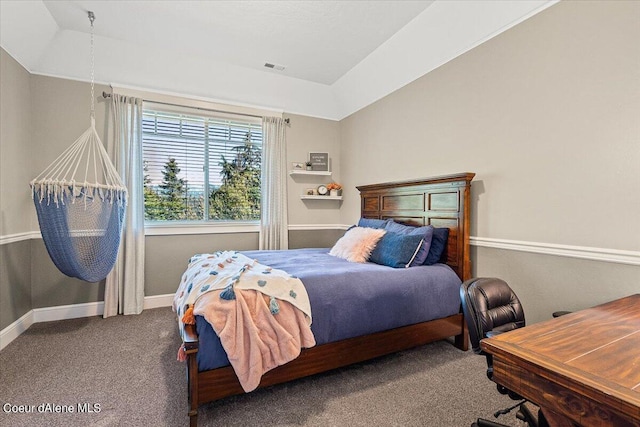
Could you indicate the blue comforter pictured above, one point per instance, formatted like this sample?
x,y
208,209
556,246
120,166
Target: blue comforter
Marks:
x,y
350,299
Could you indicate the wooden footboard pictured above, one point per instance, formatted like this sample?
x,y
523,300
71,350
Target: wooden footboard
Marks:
x,y
208,386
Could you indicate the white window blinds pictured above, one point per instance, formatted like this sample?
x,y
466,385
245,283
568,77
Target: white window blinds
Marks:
x,y
200,167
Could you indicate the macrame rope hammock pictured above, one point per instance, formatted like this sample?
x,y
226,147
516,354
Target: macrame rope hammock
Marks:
x,y
81,220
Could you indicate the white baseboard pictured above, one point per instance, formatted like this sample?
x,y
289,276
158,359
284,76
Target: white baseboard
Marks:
x,y
14,330
65,312
156,301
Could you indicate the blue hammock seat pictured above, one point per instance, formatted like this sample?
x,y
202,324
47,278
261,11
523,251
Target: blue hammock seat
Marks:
x,y
81,223
81,238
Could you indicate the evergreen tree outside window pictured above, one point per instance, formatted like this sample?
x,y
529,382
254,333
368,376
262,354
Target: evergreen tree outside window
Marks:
x,y
200,168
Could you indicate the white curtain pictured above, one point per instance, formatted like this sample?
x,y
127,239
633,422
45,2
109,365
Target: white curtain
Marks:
x,y
273,221
124,288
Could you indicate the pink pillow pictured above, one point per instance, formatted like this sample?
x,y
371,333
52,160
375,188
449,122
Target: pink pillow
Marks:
x,y
356,244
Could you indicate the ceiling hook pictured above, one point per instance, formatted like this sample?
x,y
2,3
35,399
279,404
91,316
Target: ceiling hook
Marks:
x,y
92,17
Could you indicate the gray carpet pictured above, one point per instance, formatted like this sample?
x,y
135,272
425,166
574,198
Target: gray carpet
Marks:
x,y
127,365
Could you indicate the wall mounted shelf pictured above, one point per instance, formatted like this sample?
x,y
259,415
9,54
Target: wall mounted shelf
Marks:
x,y
305,197
317,173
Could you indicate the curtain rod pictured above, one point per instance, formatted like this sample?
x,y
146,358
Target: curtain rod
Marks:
x,y
287,120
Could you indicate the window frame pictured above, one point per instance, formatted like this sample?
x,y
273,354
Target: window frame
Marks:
x,y
181,228
203,226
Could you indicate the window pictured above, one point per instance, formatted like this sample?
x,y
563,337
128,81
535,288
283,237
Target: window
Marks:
x,y
200,167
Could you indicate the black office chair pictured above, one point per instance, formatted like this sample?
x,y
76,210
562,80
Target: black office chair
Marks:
x,y
491,308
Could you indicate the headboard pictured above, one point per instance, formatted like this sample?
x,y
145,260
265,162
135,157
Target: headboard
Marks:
x,y
441,201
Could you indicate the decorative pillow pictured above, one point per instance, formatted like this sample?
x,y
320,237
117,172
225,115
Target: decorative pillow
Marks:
x,y
425,232
438,245
372,223
396,250
356,244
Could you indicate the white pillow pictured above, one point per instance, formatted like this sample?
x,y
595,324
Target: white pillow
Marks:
x,y
356,244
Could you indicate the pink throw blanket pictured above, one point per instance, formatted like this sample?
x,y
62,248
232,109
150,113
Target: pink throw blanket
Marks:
x,y
255,340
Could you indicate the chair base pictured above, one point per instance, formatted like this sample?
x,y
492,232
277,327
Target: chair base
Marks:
x,y
481,422
523,414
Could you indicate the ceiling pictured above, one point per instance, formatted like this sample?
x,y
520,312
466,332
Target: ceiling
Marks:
x,y
332,51
317,41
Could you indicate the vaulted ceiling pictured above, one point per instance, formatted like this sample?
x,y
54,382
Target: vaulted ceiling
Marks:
x,y
338,56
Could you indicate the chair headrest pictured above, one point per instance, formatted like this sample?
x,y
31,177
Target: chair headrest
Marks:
x,y
490,307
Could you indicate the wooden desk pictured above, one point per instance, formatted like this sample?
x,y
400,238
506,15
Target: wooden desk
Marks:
x,y
581,369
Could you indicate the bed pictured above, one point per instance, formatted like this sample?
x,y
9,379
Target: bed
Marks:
x,y
443,202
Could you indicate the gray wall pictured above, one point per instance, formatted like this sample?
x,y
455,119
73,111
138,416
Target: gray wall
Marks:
x,y
15,281
166,257
314,238
16,153
41,117
50,288
15,201
304,135
546,114
547,283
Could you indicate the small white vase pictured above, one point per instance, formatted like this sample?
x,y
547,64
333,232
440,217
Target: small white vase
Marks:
x,y
334,193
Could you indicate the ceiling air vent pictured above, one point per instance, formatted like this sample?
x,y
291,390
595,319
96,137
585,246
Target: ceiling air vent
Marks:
x,y
274,66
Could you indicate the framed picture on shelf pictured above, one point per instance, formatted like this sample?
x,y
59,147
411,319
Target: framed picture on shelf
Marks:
x,y
319,161
297,166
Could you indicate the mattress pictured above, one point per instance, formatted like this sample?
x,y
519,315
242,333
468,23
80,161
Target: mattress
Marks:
x,y
351,299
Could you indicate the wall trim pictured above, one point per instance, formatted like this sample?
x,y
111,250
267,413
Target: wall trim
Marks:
x,y
48,314
616,256
18,237
581,252
305,227
163,229
66,312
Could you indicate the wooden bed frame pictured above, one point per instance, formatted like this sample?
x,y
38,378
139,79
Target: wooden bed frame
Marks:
x,y
442,201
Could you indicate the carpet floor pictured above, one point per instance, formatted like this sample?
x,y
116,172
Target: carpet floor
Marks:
x,y
122,371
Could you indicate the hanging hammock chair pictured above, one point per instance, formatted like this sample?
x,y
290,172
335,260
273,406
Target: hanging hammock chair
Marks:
x,y
81,220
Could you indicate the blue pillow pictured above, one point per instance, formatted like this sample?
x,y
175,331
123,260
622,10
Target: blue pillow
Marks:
x,y
372,223
438,245
426,232
396,250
